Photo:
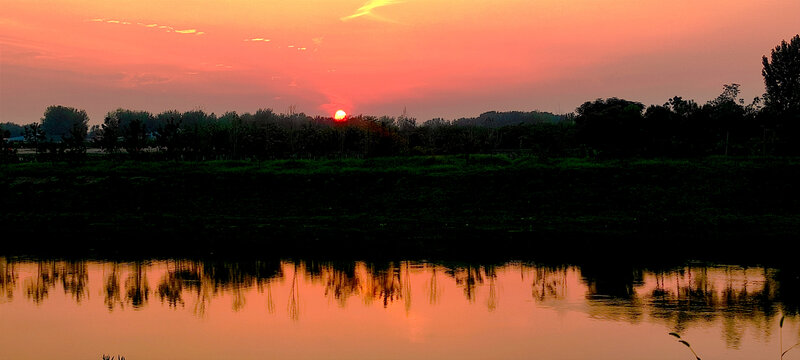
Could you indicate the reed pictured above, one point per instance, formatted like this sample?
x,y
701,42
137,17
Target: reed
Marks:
x,y
684,342
783,352
780,326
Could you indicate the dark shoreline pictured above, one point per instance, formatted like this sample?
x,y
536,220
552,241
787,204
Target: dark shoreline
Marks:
x,y
491,206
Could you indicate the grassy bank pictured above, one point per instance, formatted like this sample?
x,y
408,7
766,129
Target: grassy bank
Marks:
x,y
411,204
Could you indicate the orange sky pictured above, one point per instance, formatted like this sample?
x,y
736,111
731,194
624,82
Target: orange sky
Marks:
x,y
437,58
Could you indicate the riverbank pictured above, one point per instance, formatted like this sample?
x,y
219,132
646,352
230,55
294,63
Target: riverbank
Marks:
x,y
427,205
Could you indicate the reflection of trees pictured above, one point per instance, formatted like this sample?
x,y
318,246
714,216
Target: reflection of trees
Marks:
x,y
467,277
787,288
74,278
549,283
111,288
384,283
341,281
491,302
170,287
610,291
38,287
736,298
206,280
433,287
293,307
691,295
405,286
137,290
611,281
270,300
8,279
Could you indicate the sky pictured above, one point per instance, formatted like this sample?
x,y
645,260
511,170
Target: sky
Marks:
x,y
433,58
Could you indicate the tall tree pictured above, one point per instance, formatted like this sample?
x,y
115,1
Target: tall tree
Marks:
x,y
34,135
613,126
62,123
109,139
782,77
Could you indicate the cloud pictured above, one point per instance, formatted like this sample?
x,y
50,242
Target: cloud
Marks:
x,y
189,31
258,39
167,28
366,10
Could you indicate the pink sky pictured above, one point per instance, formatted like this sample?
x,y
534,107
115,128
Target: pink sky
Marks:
x,y
437,58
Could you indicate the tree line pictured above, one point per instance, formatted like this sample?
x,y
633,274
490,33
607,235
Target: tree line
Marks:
x,y
610,128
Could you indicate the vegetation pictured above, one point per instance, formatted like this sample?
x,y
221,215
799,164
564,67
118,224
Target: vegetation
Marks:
x,y
427,203
782,77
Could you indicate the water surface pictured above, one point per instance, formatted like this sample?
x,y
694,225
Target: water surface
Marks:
x,y
291,309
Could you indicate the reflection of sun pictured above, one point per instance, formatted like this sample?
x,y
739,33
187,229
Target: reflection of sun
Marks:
x,y
340,115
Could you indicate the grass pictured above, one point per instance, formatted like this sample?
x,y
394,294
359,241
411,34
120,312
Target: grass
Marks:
x,y
442,203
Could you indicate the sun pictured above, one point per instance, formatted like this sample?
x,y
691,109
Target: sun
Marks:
x,y
340,115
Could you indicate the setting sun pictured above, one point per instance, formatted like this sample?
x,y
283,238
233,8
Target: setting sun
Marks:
x,y
340,115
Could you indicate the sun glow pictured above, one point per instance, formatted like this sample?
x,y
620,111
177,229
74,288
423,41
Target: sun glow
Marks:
x,y
340,115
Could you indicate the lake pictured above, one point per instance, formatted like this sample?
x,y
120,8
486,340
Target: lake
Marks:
x,y
310,309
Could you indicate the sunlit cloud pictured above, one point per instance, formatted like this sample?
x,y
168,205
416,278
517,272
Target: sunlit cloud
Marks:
x,y
258,39
366,10
167,28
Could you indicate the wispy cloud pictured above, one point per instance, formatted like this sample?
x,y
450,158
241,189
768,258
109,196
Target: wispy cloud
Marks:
x,y
366,10
166,28
190,31
258,39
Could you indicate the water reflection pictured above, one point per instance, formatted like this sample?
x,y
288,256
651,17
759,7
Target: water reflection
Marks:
x,y
678,298
71,275
8,281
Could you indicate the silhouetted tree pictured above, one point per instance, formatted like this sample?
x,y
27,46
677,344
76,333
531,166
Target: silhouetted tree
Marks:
x,y
14,130
35,136
61,122
782,99
168,131
70,126
109,134
727,118
612,126
75,142
782,77
6,152
131,126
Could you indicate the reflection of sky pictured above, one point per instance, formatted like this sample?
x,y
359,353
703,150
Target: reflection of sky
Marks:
x,y
434,57
403,310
